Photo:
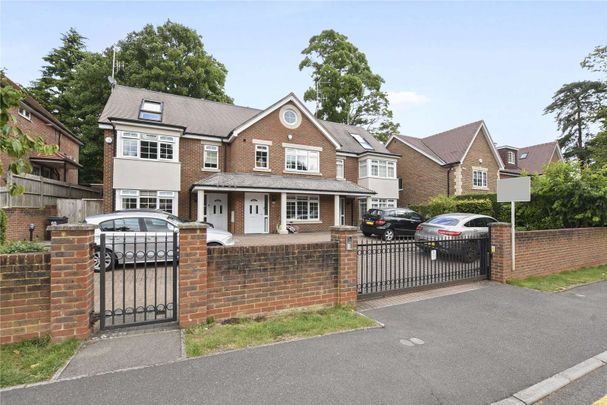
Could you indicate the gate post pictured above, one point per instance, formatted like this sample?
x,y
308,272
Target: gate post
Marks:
x,y
71,280
347,263
193,292
501,251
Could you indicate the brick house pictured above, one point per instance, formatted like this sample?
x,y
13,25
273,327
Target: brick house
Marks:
x,y
532,159
242,169
459,161
36,121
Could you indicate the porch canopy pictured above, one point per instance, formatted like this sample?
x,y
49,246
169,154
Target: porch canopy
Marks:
x,y
263,183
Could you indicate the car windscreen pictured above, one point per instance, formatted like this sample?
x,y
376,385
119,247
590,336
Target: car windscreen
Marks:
x,y
448,221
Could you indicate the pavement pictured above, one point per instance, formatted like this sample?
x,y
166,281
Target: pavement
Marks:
x,y
585,391
475,347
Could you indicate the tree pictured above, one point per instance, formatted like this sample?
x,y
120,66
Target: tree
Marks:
x,y
576,106
345,88
15,143
58,73
171,58
596,61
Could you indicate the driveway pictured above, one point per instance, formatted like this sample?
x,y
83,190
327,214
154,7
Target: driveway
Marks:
x,y
471,348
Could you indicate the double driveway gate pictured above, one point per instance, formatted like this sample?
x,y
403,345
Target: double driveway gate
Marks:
x,y
406,264
136,282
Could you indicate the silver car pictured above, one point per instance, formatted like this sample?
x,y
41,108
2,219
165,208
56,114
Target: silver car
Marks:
x,y
137,236
457,234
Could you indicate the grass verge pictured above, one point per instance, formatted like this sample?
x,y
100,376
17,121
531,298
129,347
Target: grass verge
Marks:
x,y
33,360
563,280
213,337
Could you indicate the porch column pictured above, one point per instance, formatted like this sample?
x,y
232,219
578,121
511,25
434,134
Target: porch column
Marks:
x,y
200,206
336,216
283,214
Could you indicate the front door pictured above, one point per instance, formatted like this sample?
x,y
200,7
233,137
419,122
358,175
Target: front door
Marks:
x,y
217,210
255,213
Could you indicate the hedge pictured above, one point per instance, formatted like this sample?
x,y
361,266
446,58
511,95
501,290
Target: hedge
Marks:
x,y
443,205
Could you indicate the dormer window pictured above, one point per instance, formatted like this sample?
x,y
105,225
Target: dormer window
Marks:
x,y
362,141
150,110
511,157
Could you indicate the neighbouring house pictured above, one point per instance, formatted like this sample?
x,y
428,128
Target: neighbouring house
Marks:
x,y
459,161
509,156
36,121
531,159
242,169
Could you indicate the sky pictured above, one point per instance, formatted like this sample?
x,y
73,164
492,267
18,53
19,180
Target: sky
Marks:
x,y
445,64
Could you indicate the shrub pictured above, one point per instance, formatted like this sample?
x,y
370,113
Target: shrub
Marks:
x,y
21,246
482,207
3,221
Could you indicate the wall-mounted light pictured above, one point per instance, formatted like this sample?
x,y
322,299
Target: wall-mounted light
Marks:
x,y
480,161
31,229
290,137
109,140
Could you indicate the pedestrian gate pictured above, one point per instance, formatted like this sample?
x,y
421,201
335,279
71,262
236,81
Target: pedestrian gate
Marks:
x,y
137,278
408,264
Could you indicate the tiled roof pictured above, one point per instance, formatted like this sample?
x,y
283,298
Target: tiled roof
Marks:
x,y
278,183
537,156
448,146
211,118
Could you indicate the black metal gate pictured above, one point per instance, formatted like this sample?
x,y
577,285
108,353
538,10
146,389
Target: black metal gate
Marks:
x,y
137,278
407,264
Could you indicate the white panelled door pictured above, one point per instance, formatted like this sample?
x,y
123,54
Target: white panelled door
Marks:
x,y
217,210
255,213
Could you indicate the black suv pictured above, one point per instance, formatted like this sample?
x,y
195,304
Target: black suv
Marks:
x,y
390,222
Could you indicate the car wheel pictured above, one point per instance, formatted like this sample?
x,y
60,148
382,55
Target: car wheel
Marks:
x,y
214,244
388,235
110,260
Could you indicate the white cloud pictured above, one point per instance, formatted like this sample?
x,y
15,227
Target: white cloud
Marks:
x,y
402,100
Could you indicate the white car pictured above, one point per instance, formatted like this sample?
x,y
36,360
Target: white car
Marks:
x,y
137,236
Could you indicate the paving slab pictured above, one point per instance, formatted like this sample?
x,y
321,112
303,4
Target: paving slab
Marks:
x,y
119,352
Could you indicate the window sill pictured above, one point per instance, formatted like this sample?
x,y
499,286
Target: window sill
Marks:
x,y
480,188
260,169
208,169
297,222
302,173
146,160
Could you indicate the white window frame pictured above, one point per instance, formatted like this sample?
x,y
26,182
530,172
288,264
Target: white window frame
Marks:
x,y
383,203
137,195
308,198
295,152
130,136
25,113
511,157
151,107
262,148
480,179
367,168
340,169
210,148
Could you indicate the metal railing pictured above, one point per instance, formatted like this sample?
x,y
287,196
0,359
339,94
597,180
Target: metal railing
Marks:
x,y
405,263
137,278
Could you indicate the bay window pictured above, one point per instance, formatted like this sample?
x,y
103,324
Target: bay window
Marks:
x,y
301,160
383,203
377,168
303,208
147,199
147,146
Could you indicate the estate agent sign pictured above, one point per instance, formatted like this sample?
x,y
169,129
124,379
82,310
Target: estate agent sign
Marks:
x,y
513,190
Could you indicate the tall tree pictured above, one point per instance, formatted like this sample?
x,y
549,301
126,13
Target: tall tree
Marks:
x,y
58,73
14,142
576,106
596,61
344,87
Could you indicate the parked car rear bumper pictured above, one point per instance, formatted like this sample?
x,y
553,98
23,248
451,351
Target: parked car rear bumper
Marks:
x,y
372,229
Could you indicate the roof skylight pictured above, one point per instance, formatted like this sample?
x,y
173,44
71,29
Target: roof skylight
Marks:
x,y
362,141
150,110
523,155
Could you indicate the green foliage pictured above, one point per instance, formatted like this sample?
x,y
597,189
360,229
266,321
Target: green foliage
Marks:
x,y
57,75
15,143
596,61
3,224
170,58
21,246
348,90
442,204
481,206
499,211
566,196
33,360
564,280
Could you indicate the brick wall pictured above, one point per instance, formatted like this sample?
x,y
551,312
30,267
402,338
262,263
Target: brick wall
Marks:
x,y
546,252
480,149
20,218
108,171
24,296
422,177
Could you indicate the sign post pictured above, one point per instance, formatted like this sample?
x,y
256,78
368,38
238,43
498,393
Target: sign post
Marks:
x,y
512,190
